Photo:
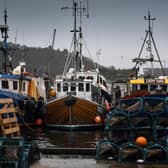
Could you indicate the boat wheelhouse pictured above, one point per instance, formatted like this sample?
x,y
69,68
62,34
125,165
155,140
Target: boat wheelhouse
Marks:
x,y
148,86
77,88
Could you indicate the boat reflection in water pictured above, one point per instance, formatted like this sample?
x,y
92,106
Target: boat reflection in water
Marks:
x,y
53,138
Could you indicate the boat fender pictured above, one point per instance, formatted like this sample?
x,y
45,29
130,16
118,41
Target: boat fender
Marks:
x,y
107,105
38,122
98,119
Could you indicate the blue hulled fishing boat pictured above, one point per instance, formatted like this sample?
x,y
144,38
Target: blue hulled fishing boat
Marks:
x,y
27,91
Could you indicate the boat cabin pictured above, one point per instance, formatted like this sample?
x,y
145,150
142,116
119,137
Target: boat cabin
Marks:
x,y
14,84
149,84
80,88
88,75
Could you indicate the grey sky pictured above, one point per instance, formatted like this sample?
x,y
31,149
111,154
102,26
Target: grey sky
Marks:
x,y
114,26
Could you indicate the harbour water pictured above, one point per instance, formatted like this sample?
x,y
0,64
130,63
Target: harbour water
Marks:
x,y
54,139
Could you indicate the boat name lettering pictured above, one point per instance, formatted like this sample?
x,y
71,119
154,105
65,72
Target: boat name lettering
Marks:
x,y
154,81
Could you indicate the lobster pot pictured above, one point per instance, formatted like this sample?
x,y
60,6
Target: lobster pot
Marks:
x,y
156,153
106,149
161,135
164,140
130,152
117,121
161,120
155,107
147,133
141,120
119,136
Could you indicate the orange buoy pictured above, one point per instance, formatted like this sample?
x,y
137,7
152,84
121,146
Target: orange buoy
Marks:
x,y
98,119
141,141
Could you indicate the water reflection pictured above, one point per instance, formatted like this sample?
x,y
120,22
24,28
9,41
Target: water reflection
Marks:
x,y
54,138
57,138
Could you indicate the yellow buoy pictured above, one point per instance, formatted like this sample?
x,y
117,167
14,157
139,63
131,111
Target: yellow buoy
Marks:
x,y
52,93
141,141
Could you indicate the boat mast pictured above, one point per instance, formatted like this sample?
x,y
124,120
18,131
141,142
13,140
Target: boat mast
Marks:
x,y
77,44
75,35
80,40
84,11
4,32
149,40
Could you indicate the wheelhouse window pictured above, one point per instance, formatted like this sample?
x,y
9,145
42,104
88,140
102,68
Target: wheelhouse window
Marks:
x,y
80,87
153,87
15,85
5,84
104,83
58,87
134,87
65,87
163,87
24,86
81,78
73,87
101,80
143,87
87,87
90,77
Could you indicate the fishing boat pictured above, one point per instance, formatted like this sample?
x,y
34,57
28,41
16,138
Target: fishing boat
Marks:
x,y
81,93
27,91
147,81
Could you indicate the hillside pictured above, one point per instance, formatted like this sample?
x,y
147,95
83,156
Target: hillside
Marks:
x,y
44,60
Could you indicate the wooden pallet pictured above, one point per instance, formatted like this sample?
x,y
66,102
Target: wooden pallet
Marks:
x,y
8,119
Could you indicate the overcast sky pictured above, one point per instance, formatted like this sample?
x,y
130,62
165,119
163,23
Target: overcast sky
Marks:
x,y
116,27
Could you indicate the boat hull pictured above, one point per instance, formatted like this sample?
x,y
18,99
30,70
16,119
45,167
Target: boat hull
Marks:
x,y
73,112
